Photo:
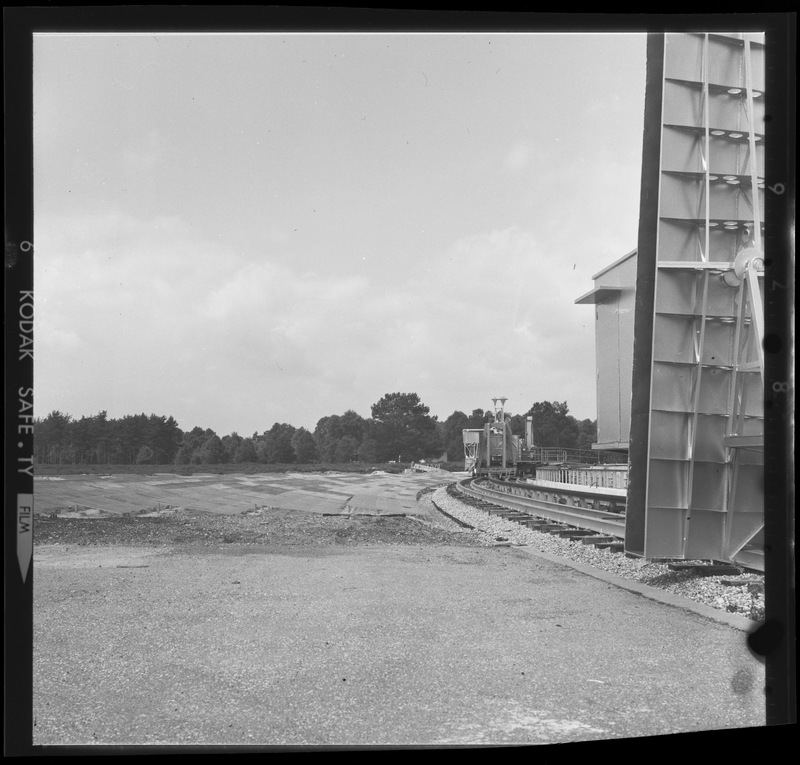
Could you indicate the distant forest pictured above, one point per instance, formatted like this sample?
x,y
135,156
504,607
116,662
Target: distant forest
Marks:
x,y
400,429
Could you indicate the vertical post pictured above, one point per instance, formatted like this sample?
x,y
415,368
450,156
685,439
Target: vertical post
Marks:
x,y
706,254
751,143
503,431
701,329
644,319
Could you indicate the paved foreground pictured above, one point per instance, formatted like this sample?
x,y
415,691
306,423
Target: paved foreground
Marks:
x,y
383,644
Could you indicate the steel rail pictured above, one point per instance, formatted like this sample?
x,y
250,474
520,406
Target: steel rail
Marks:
x,y
601,522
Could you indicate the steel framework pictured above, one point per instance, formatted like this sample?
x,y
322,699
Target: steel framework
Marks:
x,y
697,483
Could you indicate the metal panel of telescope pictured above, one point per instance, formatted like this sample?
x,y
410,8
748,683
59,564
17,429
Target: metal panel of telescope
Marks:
x,y
696,485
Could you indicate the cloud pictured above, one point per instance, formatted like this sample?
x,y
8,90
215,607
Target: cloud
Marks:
x,y
494,313
146,156
167,310
149,315
49,336
517,159
125,292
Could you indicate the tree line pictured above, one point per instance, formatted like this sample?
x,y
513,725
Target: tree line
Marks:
x,y
400,429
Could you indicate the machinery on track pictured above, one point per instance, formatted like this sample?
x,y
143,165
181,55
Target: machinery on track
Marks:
x,y
493,451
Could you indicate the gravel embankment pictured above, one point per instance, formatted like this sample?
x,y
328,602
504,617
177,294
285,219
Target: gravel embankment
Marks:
x,y
746,598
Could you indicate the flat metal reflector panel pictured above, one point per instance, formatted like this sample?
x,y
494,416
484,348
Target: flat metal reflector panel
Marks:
x,y
696,489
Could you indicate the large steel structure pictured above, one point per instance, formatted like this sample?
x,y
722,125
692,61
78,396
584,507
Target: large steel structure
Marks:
x,y
696,481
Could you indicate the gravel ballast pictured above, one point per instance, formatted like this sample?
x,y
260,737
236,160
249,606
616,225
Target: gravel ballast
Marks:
x,y
746,599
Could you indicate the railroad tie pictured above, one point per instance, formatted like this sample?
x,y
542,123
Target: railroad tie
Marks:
x,y
551,528
706,569
510,515
753,586
535,524
611,546
597,540
575,533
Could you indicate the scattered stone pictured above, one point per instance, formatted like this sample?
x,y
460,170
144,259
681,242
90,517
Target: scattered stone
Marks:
x,y
273,526
609,556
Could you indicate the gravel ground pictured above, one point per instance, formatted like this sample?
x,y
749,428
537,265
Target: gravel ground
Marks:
x,y
266,526
275,526
285,627
746,599
325,643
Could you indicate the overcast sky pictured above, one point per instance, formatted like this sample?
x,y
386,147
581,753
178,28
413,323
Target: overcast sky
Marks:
x,y
238,230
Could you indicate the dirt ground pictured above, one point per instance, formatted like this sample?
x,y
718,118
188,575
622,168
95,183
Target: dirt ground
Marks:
x,y
185,527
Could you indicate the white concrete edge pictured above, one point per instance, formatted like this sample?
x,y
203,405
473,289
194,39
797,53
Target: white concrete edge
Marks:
x,y
540,483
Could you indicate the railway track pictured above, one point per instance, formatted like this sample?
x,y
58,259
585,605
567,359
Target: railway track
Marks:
x,y
578,513
593,516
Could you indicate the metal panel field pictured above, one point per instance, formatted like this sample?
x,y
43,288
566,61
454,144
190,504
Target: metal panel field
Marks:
x,y
375,493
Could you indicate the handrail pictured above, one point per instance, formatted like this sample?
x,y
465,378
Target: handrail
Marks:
x,y
556,455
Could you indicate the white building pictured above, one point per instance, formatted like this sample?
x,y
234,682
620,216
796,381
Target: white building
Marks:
x,y
613,297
